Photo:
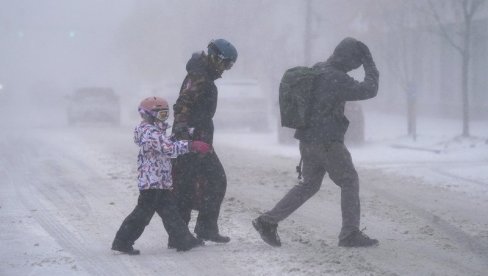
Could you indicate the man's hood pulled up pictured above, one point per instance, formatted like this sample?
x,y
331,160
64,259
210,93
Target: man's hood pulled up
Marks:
x,y
347,55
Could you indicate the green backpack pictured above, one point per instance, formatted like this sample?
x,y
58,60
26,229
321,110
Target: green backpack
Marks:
x,y
295,96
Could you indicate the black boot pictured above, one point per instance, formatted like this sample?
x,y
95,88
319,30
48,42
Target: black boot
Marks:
x,y
267,231
189,244
358,239
209,231
171,243
214,237
124,248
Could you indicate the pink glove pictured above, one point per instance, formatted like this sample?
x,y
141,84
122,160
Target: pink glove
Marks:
x,y
201,147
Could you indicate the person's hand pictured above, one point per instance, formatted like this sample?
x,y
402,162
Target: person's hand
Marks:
x,y
365,53
200,147
180,130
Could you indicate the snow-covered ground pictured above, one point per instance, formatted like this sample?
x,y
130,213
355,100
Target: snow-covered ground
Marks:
x,y
65,191
439,154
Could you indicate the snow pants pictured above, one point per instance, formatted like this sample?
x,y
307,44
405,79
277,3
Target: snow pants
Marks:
x,y
200,183
150,201
319,159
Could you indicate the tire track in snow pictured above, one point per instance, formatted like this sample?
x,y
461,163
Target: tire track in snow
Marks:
x,y
465,240
457,177
315,208
174,263
29,192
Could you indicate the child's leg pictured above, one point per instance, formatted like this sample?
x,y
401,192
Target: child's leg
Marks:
x,y
179,235
184,174
133,226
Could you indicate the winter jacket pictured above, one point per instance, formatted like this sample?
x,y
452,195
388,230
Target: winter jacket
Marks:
x,y
333,88
197,101
153,161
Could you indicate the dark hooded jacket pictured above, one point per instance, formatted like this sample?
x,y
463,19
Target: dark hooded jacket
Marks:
x,y
334,87
197,101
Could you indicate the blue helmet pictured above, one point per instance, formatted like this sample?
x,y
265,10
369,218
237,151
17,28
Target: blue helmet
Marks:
x,y
222,49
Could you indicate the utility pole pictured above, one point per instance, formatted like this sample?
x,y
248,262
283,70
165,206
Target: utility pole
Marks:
x,y
308,33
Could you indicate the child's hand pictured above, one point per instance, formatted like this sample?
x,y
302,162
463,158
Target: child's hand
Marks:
x,y
200,147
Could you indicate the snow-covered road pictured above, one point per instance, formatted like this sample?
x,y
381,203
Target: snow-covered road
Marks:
x,y
65,191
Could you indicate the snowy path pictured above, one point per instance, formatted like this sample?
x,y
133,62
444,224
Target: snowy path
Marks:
x,y
61,203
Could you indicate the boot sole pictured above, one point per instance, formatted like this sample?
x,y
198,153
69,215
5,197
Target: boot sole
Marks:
x,y
132,253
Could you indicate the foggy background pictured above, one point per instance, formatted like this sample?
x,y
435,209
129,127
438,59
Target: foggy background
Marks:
x,y
65,188
50,48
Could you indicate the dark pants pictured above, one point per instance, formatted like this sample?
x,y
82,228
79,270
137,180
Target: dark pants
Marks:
x,y
200,184
319,159
150,201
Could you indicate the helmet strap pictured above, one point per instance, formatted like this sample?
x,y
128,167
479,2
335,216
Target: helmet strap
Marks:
x,y
220,64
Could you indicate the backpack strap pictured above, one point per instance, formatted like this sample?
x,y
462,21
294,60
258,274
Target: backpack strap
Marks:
x,y
299,168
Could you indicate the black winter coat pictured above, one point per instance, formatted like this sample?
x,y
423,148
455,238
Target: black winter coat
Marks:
x,y
197,101
333,88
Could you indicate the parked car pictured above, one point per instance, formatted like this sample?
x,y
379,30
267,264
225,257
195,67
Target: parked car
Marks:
x,y
242,104
93,105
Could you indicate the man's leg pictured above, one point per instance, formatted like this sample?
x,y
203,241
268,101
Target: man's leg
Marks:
x,y
341,170
213,194
184,173
313,173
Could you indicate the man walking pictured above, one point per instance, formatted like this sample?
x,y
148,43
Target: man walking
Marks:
x,y
200,180
322,144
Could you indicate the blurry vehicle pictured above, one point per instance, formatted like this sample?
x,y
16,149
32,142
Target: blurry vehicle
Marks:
x,y
354,134
242,104
93,105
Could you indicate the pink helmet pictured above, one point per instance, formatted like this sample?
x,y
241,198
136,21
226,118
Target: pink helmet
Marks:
x,y
154,107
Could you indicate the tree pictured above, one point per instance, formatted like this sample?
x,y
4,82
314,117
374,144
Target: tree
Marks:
x,y
400,52
445,13
394,27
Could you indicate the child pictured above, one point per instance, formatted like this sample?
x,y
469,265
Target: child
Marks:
x,y
154,180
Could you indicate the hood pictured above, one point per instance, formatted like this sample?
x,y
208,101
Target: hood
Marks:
x,y
199,65
145,128
347,55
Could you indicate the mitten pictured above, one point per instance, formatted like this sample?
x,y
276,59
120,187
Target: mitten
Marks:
x,y
199,146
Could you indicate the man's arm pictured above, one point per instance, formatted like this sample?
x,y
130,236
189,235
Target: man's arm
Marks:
x,y
192,86
352,90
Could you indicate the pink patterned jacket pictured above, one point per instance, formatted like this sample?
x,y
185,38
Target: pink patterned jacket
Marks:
x,y
156,150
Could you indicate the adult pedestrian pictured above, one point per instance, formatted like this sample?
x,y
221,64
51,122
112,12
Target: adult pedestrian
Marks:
x,y
200,180
322,144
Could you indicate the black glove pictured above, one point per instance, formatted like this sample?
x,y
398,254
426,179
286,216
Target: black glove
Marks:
x,y
180,130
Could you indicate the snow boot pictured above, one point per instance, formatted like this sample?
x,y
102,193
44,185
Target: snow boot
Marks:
x,y
358,239
215,238
267,231
124,248
171,243
189,244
